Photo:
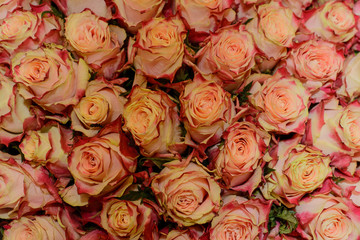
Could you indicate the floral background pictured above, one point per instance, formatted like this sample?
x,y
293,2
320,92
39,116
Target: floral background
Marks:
x,y
179,119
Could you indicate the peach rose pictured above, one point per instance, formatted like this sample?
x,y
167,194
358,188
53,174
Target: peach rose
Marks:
x,y
190,233
327,217
334,21
24,30
206,109
188,195
102,163
160,47
16,113
128,219
297,6
283,103
205,15
228,57
135,12
238,161
298,170
97,42
273,29
48,147
35,227
315,62
101,105
350,79
152,119
50,77
23,189
240,218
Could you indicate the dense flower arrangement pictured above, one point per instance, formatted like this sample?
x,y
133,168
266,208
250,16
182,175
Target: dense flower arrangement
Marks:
x,y
179,119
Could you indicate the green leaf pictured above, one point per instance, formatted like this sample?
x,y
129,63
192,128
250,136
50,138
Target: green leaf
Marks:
x,y
159,162
268,170
337,180
190,45
243,96
247,21
286,218
140,194
56,11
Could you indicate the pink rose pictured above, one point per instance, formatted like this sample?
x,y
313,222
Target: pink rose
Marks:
x,y
102,163
297,6
240,218
101,105
205,16
315,62
238,161
135,12
128,220
188,195
50,77
334,21
298,170
282,102
159,48
228,57
328,217
35,227
152,119
206,109
96,41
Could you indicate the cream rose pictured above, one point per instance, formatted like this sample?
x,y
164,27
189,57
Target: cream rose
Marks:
x,y
315,62
240,218
228,57
188,195
283,103
205,15
101,105
35,227
238,161
136,12
334,21
128,219
50,77
25,30
350,79
102,163
160,48
273,29
49,146
152,118
298,170
333,218
206,109
96,41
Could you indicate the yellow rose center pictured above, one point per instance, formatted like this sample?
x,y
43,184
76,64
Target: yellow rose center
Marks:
x,y
92,109
186,202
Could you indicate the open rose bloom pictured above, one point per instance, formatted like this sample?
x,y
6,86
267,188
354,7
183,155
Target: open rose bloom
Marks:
x,y
180,119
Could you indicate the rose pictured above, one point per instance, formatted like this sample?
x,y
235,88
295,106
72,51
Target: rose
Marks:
x,y
238,161
48,147
350,84
153,121
135,12
160,48
315,62
350,189
297,6
204,15
228,57
34,227
273,29
240,218
16,113
50,77
95,235
101,105
283,103
206,110
23,189
298,170
188,195
190,233
102,163
96,41
332,218
334,21
24,30
128,219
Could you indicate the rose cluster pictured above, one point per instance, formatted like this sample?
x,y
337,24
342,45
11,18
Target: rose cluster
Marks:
x,y
180,119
